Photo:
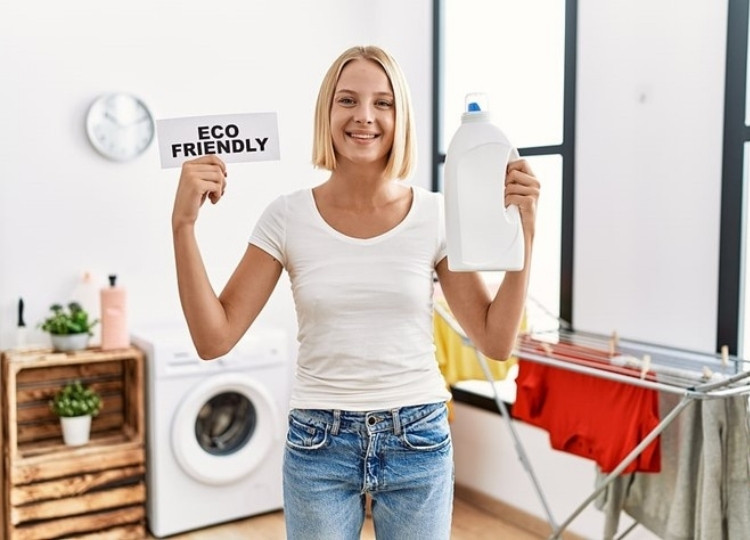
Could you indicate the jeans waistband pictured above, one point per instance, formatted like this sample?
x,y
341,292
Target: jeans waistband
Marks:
x,y
372,421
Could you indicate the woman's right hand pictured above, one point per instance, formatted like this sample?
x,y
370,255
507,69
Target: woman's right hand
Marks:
x,y
201,178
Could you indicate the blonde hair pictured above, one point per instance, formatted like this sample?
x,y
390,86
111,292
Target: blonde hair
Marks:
x,y
402,157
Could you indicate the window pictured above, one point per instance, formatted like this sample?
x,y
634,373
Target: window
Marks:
x,y
522,55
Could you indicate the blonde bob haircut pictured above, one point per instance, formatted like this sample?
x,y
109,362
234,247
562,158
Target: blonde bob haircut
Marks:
x,y
402,157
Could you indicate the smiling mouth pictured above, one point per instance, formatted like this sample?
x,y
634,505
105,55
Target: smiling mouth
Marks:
x,y
363,136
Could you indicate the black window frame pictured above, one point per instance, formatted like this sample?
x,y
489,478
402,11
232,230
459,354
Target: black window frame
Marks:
x,y
736,135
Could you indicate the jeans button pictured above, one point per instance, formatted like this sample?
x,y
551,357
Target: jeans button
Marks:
x,y
371,420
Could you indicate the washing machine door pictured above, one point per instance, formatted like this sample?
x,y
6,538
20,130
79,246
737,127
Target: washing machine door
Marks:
x,y
224,428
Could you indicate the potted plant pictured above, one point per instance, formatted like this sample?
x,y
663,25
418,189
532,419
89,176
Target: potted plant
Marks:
x,y
69,328
75,404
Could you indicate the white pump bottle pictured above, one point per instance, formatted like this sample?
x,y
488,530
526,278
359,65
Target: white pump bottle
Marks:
x,y
481,233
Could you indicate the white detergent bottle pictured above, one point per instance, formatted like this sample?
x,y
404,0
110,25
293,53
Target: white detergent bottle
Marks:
x,y
481,233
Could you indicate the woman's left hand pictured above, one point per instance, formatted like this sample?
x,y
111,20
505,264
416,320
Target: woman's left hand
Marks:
x,y
522,189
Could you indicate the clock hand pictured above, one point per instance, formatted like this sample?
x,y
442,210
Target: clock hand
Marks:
x,y
139,120
112,118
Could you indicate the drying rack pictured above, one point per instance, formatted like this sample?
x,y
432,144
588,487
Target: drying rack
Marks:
x,y
693,376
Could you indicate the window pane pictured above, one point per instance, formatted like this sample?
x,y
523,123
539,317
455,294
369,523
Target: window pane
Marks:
x,y
544,287
514,52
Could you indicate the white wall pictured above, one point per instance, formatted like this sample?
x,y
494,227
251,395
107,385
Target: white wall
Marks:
x,y
64,209
648,170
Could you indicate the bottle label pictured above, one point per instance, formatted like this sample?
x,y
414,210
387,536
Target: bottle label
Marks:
x,y
488,232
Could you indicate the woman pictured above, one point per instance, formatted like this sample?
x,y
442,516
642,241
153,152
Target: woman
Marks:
x,y
367,412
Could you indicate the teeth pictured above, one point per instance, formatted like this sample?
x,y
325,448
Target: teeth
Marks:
x,y
363,135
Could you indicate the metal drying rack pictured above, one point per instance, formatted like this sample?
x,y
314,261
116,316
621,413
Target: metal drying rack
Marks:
x,y
693,376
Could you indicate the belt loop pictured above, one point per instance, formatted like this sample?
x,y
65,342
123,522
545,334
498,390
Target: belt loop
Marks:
x,y
336,422
396,422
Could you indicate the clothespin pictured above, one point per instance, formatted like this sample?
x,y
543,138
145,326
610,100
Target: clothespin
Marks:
x,y
645,365
547,348
724,355
613,343
707,373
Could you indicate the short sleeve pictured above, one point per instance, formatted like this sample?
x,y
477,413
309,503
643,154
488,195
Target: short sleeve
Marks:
x,y
269,233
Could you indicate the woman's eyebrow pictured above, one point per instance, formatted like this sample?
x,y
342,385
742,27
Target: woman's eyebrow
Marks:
x,y
348,91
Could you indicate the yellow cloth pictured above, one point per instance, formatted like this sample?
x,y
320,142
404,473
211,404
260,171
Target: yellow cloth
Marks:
x,y
458,361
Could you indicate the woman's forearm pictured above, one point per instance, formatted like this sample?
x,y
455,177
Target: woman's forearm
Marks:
x,y
205,315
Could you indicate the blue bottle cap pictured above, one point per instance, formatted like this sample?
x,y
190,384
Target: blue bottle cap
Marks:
x,y
474,107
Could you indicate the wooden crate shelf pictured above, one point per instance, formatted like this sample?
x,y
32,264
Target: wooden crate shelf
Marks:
x,y
50,490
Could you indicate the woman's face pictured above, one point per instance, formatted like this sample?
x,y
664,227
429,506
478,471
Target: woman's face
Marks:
x,y
363,114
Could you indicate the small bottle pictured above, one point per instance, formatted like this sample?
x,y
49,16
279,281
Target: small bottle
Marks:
x,y
481,233
86,293
114,316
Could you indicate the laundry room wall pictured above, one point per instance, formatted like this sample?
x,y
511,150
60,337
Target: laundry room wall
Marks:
x,y
65,210
649,136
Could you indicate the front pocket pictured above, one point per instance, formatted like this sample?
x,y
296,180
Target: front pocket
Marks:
x,y
304,435
429,433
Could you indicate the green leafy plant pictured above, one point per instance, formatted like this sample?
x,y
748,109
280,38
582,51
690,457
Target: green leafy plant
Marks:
x,y
71,320
76,399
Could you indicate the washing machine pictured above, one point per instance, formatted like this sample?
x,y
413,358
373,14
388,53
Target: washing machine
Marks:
x,y
215,429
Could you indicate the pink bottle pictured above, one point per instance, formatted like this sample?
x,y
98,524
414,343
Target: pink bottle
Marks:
x,y
114,317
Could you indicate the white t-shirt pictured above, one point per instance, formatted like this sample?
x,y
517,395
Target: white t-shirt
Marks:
x,y
364,306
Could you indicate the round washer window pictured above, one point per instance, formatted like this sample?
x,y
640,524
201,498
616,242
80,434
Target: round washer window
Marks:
x,y
225,423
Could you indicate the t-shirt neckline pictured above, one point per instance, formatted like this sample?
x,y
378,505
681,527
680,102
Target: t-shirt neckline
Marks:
x,y
372,239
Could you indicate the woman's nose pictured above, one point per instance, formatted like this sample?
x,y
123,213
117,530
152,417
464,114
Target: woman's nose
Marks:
x,y
363,114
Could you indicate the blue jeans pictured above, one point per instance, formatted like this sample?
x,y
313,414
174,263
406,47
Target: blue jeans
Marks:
x,y
402,458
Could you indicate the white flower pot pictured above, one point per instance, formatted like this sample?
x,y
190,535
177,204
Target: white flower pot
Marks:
x,y
75,429
70,342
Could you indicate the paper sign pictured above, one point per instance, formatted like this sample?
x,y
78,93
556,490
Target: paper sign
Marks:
x,y
232,137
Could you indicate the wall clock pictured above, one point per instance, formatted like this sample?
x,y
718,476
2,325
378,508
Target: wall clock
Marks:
x,y
120,126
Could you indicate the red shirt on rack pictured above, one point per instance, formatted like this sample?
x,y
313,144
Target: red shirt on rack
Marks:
x,y
589,416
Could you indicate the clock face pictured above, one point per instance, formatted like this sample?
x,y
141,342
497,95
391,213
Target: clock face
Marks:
x,y
120,126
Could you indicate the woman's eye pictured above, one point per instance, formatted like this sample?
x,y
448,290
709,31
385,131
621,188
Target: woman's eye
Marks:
x,y
346,101
384,103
